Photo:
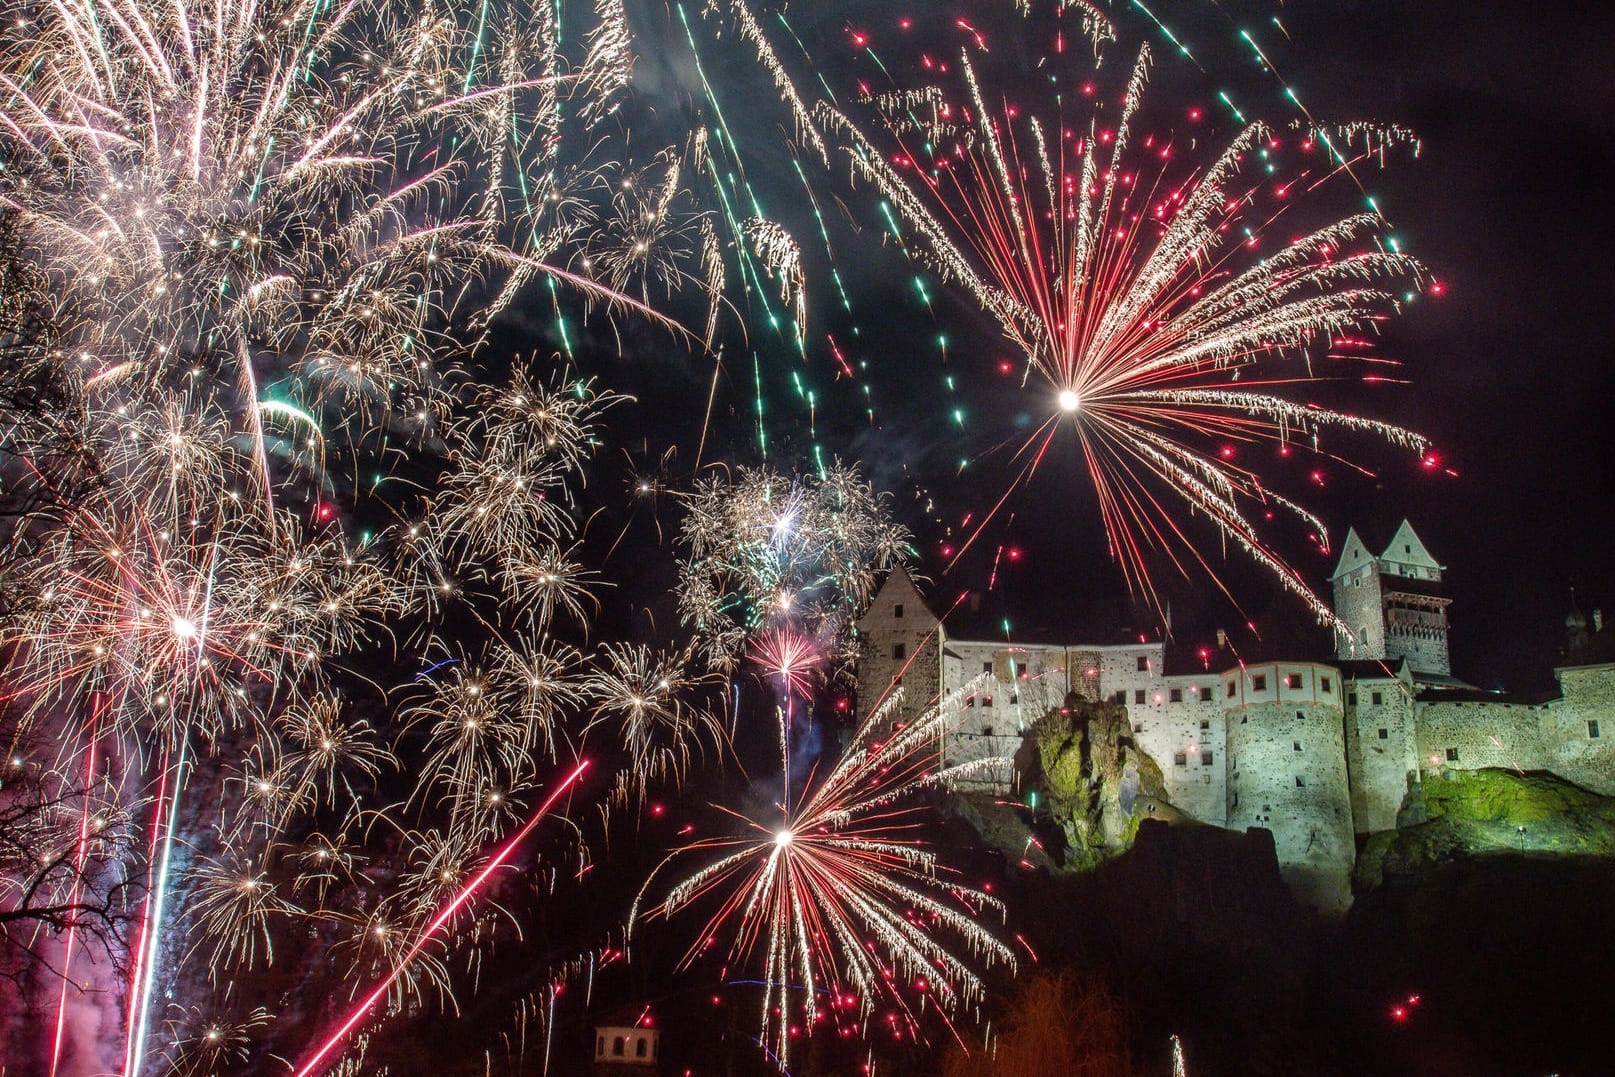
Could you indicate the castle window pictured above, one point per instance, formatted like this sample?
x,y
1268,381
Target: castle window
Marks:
x,y
1014,698
1385,734
1138,695
1205,724
600,1047
897,610
1138,727
1181,759
986,701
1143,663
1376,698
1327,684
1231,689
970,701
1592,728
1452,755
899,650
1301,716
986,667
1259,683
1205,758
617,1045
1351,698
1177,695
1297,744
1293,680
1300,781
1119,697
640,1046
1205,694
986,730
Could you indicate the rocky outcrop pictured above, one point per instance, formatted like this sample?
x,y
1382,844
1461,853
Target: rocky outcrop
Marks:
x,y
1099,783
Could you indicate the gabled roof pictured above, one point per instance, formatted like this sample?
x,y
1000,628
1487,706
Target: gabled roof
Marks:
x,y
1353,554
900,587
1406,548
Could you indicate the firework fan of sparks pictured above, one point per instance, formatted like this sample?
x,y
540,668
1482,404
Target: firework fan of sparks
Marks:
x,y
763,550
1128,284
838,893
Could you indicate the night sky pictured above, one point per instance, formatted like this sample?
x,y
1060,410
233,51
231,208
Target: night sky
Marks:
x,y
1506,370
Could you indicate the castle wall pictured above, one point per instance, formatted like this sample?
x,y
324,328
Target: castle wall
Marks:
x,y
1360,604
1470,736
898,638
1586,706
1181,727
1011,687
1287,773
1382,749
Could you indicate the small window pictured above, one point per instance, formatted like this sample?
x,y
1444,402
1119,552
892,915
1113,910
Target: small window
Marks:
x,y
1259,683
1181,759
986,701
986,730
617,1046
1143,663
1138,695
899,650
1300,781
1205,724
1592,729
1014,698
1293,680
1385,734
1351,698
1119,697
1232,688
986,667
600,1047
1138,727
1326,684
897,610
1205,694
1452,755
1206,758
641,1047
970,701
1176,695
1376,698
1300,716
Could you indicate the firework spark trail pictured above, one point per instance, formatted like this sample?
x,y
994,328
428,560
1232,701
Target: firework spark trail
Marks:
x,y
313,1064
80,851
827,888
1118,287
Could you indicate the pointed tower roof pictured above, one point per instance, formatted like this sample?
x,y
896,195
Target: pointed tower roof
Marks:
x,y
899,586
1353,554
1406,548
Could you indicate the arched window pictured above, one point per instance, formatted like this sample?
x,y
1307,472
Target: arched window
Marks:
x,y
617,1045
640,1047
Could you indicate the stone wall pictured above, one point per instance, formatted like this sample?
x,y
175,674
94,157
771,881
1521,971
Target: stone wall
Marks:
x,y
899,641
1287,773
1586,707
1470,736
1382,749
1180,725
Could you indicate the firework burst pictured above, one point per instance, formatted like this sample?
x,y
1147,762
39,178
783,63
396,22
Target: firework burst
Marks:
x,y
1150,300
838,892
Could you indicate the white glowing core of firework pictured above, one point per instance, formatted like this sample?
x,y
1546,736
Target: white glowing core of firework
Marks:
x,y
782,838
184,628
1069,400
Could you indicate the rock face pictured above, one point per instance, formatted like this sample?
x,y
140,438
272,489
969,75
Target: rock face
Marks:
x,y
1100,784
1473,813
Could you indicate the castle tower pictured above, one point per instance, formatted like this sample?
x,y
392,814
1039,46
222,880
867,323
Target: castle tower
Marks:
x,y
1393,603
899,643
1286,759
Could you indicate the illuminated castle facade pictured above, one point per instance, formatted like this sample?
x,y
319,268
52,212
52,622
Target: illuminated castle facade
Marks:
x,y
1317,751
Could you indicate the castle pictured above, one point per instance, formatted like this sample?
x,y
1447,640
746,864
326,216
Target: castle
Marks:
x,y
1318,751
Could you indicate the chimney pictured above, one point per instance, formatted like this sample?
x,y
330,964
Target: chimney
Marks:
x,y
1598,620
